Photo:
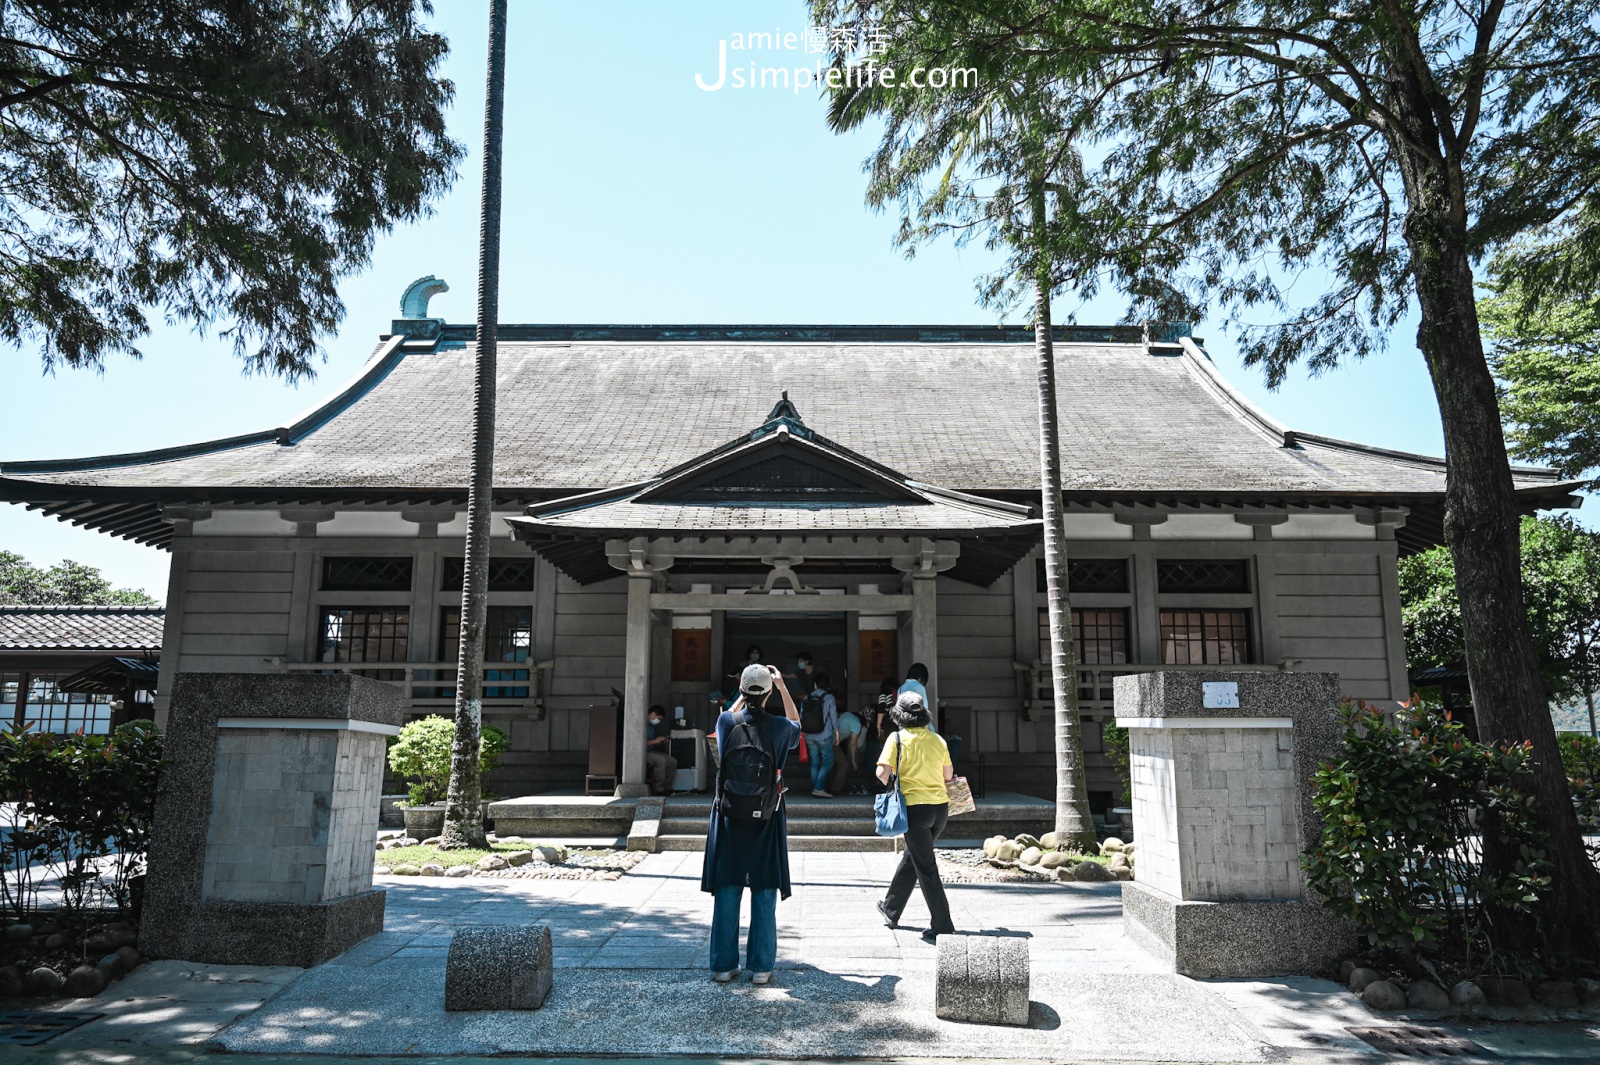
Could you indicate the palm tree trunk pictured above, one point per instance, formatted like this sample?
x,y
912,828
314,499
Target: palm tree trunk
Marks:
x,y
1074,822
463,817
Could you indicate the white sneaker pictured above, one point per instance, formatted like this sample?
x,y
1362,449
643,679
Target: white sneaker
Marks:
x,y
761,978
822,795
727,977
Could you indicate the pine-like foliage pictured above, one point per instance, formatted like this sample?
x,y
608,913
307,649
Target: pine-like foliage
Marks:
x,y
217,163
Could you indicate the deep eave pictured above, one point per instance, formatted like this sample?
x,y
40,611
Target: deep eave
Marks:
x,y
136,513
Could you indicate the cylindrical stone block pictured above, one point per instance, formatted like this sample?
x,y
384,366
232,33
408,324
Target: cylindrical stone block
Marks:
x,y
498,967
982,979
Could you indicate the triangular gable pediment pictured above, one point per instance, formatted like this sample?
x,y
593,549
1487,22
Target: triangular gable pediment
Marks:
x,y
781,467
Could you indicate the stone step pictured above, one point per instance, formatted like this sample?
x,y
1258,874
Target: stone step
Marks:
x,y
796,843
803,826
853,807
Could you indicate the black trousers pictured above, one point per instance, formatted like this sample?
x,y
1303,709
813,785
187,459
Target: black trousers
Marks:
x,y
919,866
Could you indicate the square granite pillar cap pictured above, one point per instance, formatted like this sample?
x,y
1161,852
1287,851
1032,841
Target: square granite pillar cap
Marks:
x,y
1174,693
203,698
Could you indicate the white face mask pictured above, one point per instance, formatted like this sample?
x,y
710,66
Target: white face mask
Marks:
x,y
755,656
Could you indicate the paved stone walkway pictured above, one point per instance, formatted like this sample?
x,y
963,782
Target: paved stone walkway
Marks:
x,y
633,981
656,917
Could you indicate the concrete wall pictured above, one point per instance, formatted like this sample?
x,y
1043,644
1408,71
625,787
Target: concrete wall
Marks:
x,y
1217,820
272,836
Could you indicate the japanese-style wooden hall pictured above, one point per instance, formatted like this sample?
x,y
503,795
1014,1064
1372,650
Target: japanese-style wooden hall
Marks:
x,y
667,497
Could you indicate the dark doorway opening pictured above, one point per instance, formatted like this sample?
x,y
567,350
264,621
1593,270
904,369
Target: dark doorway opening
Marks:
x,y
781,638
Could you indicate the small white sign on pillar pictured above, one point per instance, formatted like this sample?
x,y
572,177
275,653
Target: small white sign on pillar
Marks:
x,y
1219,694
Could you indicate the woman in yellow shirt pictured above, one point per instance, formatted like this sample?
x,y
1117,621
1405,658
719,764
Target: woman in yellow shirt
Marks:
x,y
923,763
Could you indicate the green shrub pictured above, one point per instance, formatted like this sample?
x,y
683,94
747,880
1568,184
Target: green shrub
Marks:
x,y
420,755
1580,757
83,809
1115,741
1407,808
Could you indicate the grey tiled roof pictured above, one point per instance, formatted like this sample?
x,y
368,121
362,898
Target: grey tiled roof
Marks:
x,y
588,415
81,628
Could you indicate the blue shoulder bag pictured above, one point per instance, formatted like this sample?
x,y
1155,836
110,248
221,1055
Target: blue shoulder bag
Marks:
x,y
891,805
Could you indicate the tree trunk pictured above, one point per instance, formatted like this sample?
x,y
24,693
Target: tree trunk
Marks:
x,y
1074,822
463,813
1481,525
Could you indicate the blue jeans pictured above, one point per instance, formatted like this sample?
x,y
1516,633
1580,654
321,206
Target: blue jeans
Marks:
x,y
821,755
761,948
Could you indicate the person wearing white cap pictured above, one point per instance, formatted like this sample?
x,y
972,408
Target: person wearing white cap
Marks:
x,y
747,843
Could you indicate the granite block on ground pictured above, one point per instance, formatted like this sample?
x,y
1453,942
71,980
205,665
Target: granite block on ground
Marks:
x,y
498,967
982,979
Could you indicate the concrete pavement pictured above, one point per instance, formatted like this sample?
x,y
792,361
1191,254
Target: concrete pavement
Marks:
x,y
633,982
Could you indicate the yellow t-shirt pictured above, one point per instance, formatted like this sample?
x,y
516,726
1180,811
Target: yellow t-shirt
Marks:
x,y
922,765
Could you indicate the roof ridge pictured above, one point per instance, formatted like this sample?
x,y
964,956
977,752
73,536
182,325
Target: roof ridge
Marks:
x,y
979,333
1434,461
79,608
1198,359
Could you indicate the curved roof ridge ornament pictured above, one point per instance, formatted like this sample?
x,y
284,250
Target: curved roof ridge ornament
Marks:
x,y
414,300
785,415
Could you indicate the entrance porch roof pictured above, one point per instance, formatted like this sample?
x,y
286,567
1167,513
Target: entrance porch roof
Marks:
x,y
782,479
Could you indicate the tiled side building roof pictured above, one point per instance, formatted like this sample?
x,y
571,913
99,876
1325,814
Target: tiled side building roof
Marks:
x,y
611,405
81,628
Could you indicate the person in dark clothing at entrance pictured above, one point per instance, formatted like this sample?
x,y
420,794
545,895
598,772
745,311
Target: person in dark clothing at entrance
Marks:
x,y
747,843
888,692
658,749
878,723
919,756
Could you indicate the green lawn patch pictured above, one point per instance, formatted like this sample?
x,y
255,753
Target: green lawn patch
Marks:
x,y
424,853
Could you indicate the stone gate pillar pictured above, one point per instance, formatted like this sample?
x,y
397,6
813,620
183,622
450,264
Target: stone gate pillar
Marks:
x,y
266,813
1222,766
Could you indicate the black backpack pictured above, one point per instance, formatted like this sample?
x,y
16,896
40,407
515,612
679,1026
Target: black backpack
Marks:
x,y
813,718
747,776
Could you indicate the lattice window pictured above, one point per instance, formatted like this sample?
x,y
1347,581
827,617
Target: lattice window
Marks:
x,y
1100,636
1205,637
366,574
49,709
1101,639
507,637
505,574
1216,576
366,634
1089,575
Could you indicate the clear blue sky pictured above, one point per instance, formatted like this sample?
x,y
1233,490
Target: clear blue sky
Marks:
x,y
631,196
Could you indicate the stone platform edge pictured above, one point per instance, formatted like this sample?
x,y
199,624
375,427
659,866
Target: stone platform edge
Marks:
x,y
1289,937
538,816
231,932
